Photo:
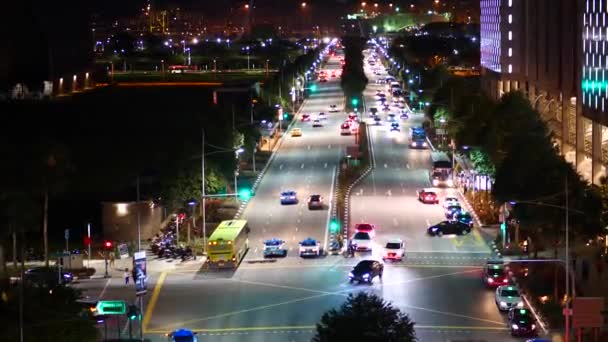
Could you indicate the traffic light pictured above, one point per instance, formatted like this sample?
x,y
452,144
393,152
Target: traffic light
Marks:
x,y
285,115
334,227
313,88
132,312
245,194
107,244
355,101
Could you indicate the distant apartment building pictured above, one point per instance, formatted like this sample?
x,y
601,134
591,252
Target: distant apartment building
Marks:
x,y
554,52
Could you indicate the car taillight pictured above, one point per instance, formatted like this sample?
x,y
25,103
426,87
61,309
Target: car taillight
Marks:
x,y
505,280
490,280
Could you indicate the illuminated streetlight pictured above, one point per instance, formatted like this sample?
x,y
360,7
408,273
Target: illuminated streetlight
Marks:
x,y
376,5
246,6
303,4
363,4
390,5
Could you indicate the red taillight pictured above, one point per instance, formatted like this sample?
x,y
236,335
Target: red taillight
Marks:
x,y
490,280
505,280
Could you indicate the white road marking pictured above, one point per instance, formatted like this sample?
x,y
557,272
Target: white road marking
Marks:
x,y
299,221
329,146
385,166
281,167
104,288
309,147
407,165
428,223
325,166
296,229
395,222
389,193
302,166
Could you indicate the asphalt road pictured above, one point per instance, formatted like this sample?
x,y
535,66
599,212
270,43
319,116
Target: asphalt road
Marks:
x,y
305,164
438,284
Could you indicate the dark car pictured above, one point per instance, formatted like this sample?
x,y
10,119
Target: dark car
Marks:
x,y
449,227
365,271
377,120
521,322
48,276
315,202
464,217
494,273
451,211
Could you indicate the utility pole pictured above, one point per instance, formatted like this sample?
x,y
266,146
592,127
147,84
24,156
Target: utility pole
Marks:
x,y
567,266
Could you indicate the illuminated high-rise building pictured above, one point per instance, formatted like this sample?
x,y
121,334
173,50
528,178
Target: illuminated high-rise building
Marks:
x,y
554,52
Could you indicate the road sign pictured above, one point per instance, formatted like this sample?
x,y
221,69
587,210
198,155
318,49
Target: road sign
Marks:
x,y
111,307
140,273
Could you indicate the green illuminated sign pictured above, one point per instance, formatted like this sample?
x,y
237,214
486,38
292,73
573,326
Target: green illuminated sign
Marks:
x,y
111,307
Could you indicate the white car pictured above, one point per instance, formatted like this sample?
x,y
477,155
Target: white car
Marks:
x,y
309,247
508,297
362,241
394,250
317,123
322,116
333,108
450,201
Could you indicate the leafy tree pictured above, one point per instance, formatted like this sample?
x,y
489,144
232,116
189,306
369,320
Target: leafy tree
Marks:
x,y
353,79
482,163
185,184
365,317
49,314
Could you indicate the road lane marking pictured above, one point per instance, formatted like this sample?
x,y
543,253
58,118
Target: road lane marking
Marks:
x,y
296,328
281,167
325,166
329,146
446,313
309,147
385,165
153,300
331,197
407,165
105,287
302,166
395,222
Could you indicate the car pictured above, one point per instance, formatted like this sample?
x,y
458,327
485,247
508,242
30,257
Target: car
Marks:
x,y
419,141
373,111
315,202
391,117
428,196
345,128
48,276
317,123
379,96
354,127
449,228
289,197
494,273
333,74
310,247
365,271
274,247
366,228
404,115
305,117
296,132
450,201
323,80
507,297
464,217
182,335
322,116
333,108
362,242
377,120
521,322
386,108
452,210
395,127
394,250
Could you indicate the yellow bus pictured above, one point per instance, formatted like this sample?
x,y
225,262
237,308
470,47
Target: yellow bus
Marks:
x,y
228,244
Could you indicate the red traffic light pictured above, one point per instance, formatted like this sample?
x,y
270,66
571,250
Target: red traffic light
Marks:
x,y
107,244
87,241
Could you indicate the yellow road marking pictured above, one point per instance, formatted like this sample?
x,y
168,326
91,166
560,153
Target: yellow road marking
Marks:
x,y
312,327
153,300
478,238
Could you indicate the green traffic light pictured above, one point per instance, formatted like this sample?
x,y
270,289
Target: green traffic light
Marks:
x,y
313,88
334,227
245,194
354,101
285,116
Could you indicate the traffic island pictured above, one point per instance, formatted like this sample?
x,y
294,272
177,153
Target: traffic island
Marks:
x,y
353,168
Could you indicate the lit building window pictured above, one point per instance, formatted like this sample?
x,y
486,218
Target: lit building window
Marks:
x,y
510,19
490,42
594,69
510,52
510,35
510,68
510,3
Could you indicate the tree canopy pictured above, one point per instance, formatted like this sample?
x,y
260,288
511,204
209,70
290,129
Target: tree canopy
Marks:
x,y
367,318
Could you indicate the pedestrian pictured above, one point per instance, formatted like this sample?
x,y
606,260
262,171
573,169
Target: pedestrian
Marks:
x,y
112,259
127,276
585,269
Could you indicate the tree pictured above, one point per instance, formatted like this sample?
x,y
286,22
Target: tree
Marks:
x,y
353,79
365,317
49,314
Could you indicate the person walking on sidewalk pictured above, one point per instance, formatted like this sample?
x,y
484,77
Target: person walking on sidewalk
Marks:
x,y
112,259
127,276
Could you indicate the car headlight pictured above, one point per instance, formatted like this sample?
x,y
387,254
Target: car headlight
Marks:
x,y
514,326
434,229
424,144
351,275
366,275
490,280
503,304
520,304
414,143
435,182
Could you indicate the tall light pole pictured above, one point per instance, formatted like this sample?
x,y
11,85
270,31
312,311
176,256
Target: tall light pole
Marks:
x,y
203,209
